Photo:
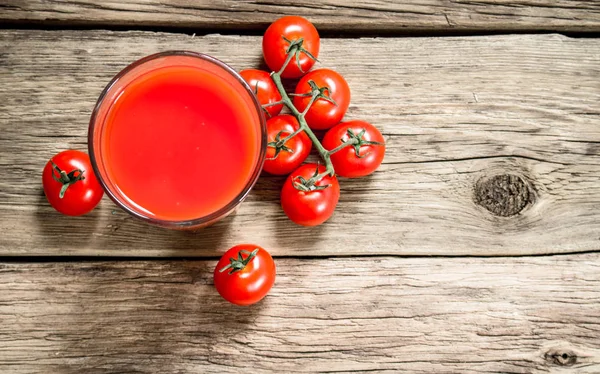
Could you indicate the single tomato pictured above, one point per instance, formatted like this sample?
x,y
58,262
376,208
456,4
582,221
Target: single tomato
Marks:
x,y
282,159
363,157
309,205
70,184
265,90
245,274
332,101
291,35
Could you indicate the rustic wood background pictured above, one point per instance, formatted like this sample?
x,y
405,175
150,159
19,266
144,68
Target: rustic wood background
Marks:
x,y
475,248
457,111
423,315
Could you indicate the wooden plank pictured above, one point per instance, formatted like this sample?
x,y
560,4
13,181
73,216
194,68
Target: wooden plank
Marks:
x,y
329,15
455,112
420,315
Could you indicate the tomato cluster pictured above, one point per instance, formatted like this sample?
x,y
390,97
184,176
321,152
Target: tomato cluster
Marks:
x,y
319,102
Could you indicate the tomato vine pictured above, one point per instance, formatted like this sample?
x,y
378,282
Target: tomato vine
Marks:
x,y
317,92
319,102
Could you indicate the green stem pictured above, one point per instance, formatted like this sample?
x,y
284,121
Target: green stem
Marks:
x,y
285,64
302,122
284,140
239,263
327,158
272,104
343,145
310,103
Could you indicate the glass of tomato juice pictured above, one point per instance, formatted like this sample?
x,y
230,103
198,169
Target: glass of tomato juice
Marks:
x,y
177,139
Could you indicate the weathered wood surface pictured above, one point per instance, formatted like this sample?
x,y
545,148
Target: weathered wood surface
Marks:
x,y
328,15
454,111
420,315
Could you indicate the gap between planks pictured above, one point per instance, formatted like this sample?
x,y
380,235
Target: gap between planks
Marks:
x,y
86,259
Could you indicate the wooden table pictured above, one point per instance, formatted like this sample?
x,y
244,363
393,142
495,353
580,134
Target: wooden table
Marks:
x,y
475,248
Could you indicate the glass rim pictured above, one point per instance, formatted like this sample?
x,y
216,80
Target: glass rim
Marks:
x,y
188,223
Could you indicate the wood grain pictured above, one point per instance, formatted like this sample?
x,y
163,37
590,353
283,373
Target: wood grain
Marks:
x,y
419,315
454,111
328,15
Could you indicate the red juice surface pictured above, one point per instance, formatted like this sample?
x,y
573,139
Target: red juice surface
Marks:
x,y
180,142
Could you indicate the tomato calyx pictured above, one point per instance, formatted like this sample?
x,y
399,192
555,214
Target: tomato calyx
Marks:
x,y
306,185
295,48
239,263
356,141
279,145
65,178
317,93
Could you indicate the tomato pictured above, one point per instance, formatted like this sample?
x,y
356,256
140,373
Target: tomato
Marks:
x,y
245,274
356,160
70,184
312,207
332,102
295,35
264,88
283,159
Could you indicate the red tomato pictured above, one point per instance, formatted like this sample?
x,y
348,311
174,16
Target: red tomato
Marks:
x,y
310,208
324,113
359,159
264,88
245,274
284,159
70,184
295,35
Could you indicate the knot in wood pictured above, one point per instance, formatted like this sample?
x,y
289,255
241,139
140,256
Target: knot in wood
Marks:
x,y
561,357
503,195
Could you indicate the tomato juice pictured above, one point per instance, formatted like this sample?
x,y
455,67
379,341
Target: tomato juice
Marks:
x,y
177,139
